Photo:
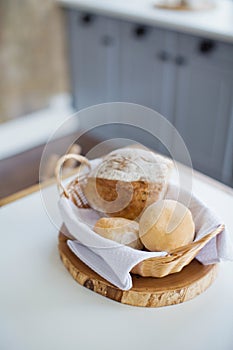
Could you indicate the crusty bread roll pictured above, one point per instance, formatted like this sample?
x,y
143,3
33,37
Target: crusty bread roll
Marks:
x,y
166,225
127,181
120,230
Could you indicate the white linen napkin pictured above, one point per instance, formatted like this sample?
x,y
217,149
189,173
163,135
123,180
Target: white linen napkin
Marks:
x,y
114,261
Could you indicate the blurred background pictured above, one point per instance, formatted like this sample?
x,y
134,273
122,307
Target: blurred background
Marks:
x,y
57,57
33,58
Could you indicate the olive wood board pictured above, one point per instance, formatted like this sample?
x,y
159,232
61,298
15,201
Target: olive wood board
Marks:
x,y
176,288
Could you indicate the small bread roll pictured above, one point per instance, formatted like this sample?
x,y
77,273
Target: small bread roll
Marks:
x,y
166,225
121,230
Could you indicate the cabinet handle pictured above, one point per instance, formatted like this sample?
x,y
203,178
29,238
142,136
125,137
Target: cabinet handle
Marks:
x,y
86,19
180,61
140,31
164,56
107,40
206,46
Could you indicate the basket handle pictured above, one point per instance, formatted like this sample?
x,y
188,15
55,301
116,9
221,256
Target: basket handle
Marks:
x,y
61,161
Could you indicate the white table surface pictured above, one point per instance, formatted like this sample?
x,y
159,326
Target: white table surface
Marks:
x,y
42,307
216,23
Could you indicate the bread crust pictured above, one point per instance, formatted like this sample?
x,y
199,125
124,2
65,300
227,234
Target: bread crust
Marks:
x,y
102,194
128,181
121,230
166,225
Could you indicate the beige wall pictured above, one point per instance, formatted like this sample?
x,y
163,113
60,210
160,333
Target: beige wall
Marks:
x,y
33,62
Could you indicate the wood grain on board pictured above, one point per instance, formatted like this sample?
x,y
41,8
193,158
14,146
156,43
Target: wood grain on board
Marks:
x,y
148,292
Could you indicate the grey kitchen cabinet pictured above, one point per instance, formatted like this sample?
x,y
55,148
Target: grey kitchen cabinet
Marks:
x,y
204,93
93,54
228,157
187,79
141,73
146,73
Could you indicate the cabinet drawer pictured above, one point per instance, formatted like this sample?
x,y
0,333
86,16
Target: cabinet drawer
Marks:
x,y
140,33
207,48
94,50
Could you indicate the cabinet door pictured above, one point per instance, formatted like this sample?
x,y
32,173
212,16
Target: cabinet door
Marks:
x,y
94,49
146,74
141,72
203,103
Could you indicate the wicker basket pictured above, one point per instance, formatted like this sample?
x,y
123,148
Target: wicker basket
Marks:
x,y
151,267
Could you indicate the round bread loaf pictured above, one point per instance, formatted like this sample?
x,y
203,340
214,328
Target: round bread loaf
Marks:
x,y
127,181
120,230
166,225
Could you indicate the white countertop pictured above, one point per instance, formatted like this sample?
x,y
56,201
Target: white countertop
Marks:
x,y
216,23
42,307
